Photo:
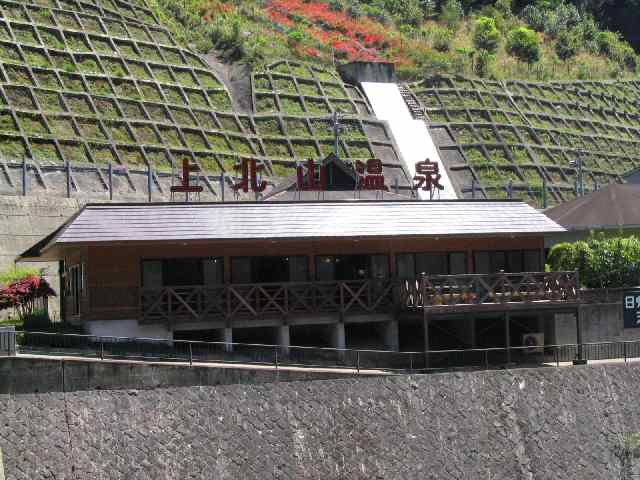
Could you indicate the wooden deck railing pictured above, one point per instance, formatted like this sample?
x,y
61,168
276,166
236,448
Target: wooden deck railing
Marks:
x,y
197,303
499,288
264,300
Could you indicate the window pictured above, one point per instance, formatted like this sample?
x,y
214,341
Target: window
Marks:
x,y
511,261
182,272
269,269
76,287
351,267
412,265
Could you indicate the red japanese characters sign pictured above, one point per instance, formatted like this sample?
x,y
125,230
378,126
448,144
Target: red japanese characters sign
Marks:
x,y
185,187
427,176
249,180
370,175
310,182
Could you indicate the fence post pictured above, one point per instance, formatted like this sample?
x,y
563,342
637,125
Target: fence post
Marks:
x,y
410,362
101,350
486,359
557,355
624,348
358,361
276,351
190,354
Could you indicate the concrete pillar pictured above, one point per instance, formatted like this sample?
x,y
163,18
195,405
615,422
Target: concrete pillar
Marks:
x,y
337,335
227,337
283,336
391,336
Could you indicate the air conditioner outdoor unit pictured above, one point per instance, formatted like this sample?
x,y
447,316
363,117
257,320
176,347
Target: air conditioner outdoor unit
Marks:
x,y
533,340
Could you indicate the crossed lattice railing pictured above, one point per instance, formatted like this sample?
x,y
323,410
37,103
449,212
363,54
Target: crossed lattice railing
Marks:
x,y
197,303
262,300
474,289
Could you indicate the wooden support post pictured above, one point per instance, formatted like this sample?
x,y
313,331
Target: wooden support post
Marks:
x,y
507,335
1,466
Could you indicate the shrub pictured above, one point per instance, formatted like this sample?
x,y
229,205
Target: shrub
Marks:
x,y
567,46
524,44
485,35
441,38
23,294
483,62
602,262
452,13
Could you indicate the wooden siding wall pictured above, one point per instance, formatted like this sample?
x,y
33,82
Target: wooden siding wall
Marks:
x,y
114,276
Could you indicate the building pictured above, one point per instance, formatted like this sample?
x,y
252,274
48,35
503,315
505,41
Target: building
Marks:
x,y
408,275
611,210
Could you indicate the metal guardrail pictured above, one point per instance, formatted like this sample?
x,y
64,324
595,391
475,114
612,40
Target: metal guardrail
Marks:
x,y
153,350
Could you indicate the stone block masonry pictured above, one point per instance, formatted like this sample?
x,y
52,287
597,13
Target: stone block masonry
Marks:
x,y
544,423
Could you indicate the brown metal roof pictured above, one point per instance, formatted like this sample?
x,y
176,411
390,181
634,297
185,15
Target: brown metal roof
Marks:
x,y
281,220
613,206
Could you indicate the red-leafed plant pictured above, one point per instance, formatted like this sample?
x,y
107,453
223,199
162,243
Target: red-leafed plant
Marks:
x,y
23,295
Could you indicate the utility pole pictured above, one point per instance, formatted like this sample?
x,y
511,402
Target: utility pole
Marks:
x,y
578,165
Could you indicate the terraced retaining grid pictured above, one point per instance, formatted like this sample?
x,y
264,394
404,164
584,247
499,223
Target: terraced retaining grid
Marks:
x,y
573,423
526,133
93,83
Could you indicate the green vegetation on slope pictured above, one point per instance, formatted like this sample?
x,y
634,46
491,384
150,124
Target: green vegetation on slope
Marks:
x,y
421,37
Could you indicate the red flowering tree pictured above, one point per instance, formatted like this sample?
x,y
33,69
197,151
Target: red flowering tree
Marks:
x,y
24,294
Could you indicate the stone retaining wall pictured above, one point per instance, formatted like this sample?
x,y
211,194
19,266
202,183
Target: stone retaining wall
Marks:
x,y
549,423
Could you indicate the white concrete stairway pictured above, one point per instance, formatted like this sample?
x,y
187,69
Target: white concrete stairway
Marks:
x,y
415,108
411,134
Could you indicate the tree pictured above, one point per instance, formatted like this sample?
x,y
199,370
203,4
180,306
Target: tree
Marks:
x,y
524,44
567,47
485,35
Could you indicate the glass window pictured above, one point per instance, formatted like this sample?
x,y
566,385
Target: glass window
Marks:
x,y
379,266
241,270
482,262
325,269
152,274
298,269
457,263
405,263
432,263
213,271
532,261
515,263
182,271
